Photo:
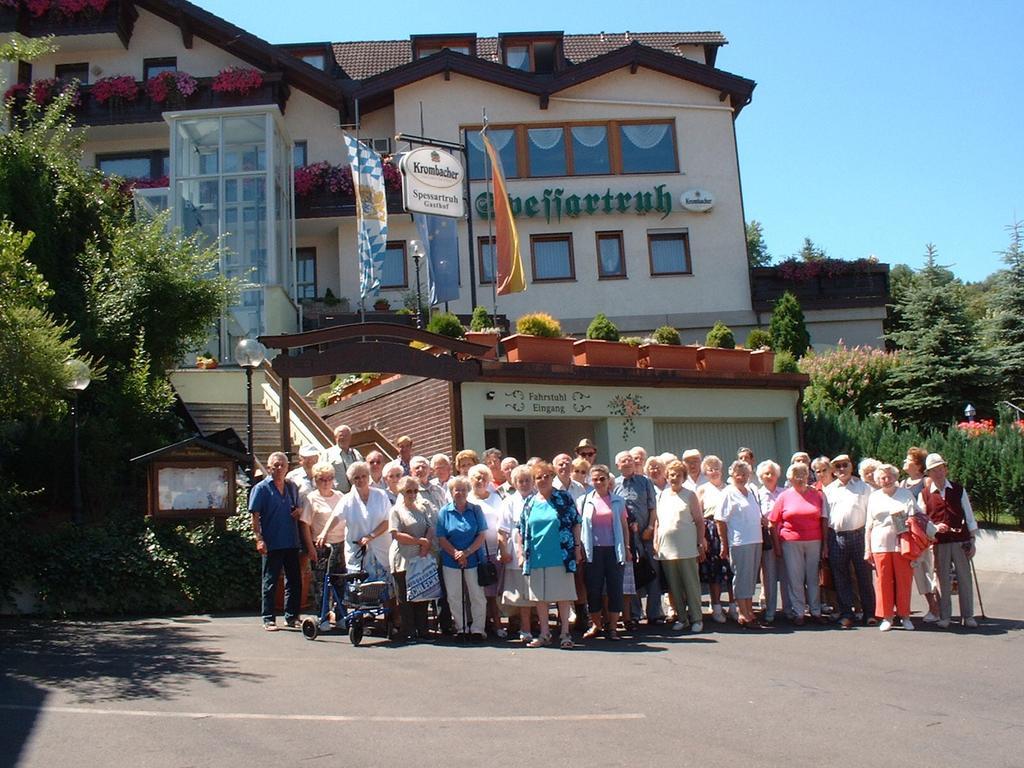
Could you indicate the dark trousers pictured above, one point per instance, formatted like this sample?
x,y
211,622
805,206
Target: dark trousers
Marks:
x,y
331,557
413,615
846,548
604,576
273,562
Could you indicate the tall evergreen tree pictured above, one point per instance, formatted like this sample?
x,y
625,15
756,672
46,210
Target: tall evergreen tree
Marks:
x,y
942,363
1007,323
788,327
757,249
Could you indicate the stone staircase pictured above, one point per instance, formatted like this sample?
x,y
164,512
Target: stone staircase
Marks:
x,y
266,431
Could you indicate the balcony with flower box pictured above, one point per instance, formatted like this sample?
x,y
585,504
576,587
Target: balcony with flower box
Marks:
x,y
121,100
66,18
825,284
323,190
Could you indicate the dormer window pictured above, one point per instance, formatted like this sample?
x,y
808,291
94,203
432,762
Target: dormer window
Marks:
x,y
427,45
531,52
317,60
315,54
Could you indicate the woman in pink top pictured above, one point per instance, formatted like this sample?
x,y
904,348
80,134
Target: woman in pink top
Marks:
x,y
799,521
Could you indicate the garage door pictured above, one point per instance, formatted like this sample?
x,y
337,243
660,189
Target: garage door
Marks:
x,y
721,438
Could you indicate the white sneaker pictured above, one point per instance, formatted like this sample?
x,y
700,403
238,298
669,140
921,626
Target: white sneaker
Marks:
x,y
906,623
930,618
942,623
717,616
678,626
885,626
971,623
697,627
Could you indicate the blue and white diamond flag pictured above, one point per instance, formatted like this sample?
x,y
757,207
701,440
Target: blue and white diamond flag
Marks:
x,y
371,213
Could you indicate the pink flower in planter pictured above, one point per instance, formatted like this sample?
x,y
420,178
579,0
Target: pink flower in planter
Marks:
x,y
117,88
240,80
37,7
171,85
71,7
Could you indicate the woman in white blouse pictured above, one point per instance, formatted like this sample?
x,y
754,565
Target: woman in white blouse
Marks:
x,y
738,519
889,511
679,544
481,483
365,512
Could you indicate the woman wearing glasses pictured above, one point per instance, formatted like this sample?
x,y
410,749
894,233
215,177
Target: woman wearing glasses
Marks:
x,y
605,539
410,533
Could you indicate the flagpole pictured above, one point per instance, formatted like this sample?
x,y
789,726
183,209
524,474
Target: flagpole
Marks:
x,y
362,298
488,173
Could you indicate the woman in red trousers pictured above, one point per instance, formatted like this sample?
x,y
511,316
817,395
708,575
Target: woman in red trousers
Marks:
x,y
889,511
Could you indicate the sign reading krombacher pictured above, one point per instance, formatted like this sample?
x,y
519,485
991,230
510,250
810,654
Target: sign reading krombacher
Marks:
x,y
432,183
552,203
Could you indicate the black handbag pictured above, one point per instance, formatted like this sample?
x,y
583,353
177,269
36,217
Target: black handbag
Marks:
x,y
644,571
486,571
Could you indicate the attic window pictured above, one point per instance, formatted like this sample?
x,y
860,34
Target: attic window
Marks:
x,y
317,60
532,56
428,46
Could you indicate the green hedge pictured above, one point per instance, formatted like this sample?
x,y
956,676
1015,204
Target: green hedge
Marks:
x,y
132,565
988,464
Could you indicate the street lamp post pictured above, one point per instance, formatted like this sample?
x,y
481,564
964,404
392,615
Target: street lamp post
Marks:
x,y
970,412
78,379
249,354
418,252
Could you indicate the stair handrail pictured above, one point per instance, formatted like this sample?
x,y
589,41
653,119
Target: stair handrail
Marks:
x,y
308,417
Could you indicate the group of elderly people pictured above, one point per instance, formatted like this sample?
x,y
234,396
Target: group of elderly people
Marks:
x,y
512,539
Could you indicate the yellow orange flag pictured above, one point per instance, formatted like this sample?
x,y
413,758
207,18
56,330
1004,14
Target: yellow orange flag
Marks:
x,y
509,263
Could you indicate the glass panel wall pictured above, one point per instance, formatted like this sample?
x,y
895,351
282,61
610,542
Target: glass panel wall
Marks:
x,y
231,180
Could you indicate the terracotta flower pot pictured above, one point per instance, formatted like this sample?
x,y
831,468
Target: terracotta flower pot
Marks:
x,y
762,361
675,356
597,352
520,348
716,359
487,339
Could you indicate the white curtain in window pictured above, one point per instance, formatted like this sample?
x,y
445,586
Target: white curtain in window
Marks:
x,y
545,138
551,259
611,257
590,135
645,136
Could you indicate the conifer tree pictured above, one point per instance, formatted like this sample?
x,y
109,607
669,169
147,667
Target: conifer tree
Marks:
x,y
788,327
942,363
1007,323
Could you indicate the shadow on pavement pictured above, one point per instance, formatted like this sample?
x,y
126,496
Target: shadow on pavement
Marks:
x,y
102,661
18,724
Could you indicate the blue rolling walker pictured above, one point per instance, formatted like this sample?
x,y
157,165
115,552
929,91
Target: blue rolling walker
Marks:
x,y
354,598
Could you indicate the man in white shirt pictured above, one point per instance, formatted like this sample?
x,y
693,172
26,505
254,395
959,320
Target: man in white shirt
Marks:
x,y
302,475
563,477
342,456
694,477
847,498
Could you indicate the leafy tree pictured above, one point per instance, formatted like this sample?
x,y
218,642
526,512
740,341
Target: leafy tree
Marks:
x,y
757,250
102,287
788,327
943,365
1007,322
811,252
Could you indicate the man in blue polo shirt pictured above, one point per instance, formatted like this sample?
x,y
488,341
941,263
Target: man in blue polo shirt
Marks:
x,y
275,507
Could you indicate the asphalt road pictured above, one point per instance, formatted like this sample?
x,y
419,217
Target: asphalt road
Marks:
x,y
218,691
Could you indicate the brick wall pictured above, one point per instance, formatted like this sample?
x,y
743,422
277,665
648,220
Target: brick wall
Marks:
x,y
422,410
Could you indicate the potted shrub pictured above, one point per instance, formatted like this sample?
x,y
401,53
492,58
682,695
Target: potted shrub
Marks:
x,y
762,358
538,340
665,350
720,353
602,347
446,324
482,331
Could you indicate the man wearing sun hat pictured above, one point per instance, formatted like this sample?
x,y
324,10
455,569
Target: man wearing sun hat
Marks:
x,y
847,497
948,506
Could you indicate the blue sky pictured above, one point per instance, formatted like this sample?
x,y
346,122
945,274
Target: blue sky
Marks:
x,y
876,127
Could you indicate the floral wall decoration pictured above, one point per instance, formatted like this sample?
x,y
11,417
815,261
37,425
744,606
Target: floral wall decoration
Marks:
x,y
627,406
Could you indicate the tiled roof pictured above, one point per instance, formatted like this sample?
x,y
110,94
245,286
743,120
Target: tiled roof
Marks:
x,y
363,59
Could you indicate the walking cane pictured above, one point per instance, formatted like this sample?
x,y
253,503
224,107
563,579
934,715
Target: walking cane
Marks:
x,y
977,588
465,599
